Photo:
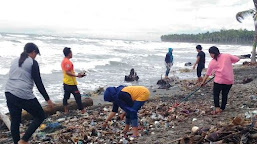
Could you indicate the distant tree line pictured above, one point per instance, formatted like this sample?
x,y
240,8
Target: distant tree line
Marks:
x,y
223,36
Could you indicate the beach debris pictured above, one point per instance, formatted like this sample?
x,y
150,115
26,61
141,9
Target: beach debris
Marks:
x,y
247,80
253,97
185,70
190,122
188,64
195,129
163,84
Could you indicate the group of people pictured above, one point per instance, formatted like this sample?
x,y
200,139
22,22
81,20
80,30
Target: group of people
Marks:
x,y
220,65
24,72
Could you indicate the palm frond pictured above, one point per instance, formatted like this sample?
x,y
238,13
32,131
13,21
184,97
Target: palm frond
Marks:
x,y
243,14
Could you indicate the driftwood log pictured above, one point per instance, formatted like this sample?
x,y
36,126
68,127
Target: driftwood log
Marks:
x,y
58,106
5,120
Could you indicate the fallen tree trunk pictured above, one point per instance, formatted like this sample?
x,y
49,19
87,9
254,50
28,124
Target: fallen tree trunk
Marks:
x,y
58,106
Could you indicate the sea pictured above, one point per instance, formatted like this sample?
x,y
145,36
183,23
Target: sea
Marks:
x,y
106,61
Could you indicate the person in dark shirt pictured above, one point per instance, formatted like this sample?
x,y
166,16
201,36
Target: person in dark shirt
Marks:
x,y
200,62
168,62
132,76
24,72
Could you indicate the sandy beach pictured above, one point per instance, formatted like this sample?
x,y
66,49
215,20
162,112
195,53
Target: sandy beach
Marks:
x,y
156,123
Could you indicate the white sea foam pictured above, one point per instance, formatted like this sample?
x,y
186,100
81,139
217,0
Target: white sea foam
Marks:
x,y
106,61
17,35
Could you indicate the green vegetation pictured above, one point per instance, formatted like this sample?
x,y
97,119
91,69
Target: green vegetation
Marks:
x,y
222,36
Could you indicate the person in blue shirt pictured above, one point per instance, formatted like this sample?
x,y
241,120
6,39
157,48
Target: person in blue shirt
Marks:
x,y
168,62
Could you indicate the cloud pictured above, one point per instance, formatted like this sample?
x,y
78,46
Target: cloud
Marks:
x,y
121,18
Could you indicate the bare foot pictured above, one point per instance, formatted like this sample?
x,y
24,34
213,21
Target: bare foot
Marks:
x,y
22,142
216,111
126,129
66,110
83,111
135,131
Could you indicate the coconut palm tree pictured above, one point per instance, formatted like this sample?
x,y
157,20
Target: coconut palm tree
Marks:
x,y
251,12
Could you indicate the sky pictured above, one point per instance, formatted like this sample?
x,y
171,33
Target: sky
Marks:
x,y
121,19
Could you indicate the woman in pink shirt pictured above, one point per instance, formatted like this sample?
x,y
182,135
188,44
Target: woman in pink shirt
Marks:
x,y
221,65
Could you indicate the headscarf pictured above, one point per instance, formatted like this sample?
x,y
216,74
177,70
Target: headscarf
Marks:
x,y
171,56
111,95
170,50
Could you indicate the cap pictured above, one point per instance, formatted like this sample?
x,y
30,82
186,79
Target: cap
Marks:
x,y
30,47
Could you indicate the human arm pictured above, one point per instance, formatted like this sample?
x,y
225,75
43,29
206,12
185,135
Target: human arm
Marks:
x,y
121,116
35,73
234,59
67,67
115,108
111,115
208,72
197,61
167,58
73,74
204,80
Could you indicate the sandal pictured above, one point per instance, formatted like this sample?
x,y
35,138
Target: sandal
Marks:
x,y
133,137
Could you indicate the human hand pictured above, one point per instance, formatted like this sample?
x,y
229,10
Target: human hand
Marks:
x,y
202,84
104,124
50,104
82,74
79,75
121,116
194,67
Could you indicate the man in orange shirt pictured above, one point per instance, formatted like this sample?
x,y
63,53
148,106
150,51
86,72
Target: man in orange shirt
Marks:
x,y
69,81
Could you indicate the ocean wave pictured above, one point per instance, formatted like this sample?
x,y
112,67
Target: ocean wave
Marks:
x,y
18,35
4,71
46,37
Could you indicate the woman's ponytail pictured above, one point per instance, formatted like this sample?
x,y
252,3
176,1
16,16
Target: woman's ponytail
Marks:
x,y
23,57
28,48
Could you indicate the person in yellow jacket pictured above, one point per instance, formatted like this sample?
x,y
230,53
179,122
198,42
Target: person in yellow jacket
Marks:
x,y
130,99
69,81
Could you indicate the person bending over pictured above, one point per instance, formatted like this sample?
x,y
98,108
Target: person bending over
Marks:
x,y
130,99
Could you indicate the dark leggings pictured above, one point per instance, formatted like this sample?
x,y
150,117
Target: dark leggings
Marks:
x,y
15,106
68,89
217,88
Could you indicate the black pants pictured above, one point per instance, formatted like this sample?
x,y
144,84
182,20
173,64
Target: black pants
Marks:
x,y
68,89
15,106
224,89
199,70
